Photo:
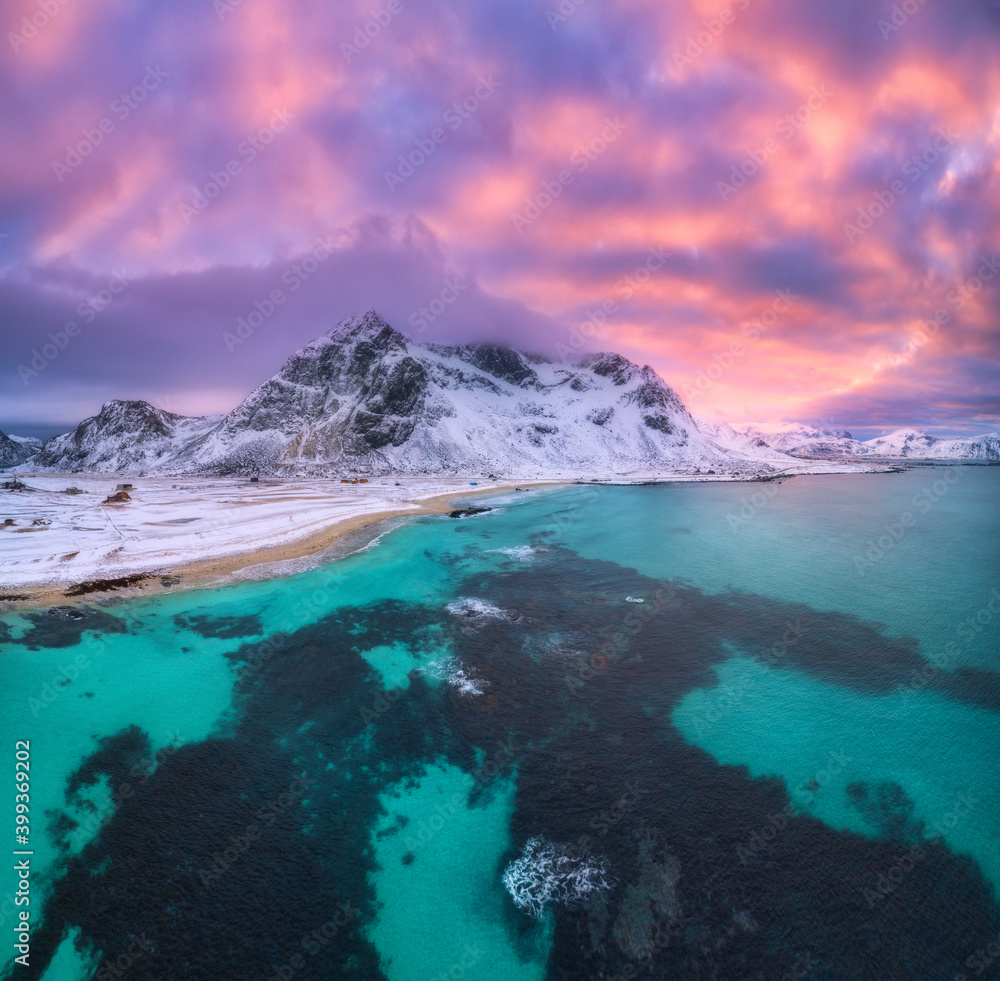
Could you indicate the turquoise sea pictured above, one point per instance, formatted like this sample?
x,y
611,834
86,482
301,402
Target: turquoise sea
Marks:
x,y
707,731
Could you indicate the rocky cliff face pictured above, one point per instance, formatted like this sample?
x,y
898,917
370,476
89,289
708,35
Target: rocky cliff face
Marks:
x,y
364,395
17,449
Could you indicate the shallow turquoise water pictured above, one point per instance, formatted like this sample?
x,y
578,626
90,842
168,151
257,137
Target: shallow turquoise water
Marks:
x,y
443,862
784,723
164,731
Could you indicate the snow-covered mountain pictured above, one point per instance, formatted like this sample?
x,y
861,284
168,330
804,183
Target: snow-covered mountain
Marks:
x,y
125,437
729,440
364,396
904,444
363,393
17,449
985,447
799,439
912,443
901,444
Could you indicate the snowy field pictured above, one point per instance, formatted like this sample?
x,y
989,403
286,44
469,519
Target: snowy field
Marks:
x,y
61,540
174,522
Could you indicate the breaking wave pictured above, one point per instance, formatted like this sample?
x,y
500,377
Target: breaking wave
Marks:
x,y
477,609
452,671
546,873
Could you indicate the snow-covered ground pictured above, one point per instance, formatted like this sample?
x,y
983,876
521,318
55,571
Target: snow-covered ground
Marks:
x,y
175,523
172,523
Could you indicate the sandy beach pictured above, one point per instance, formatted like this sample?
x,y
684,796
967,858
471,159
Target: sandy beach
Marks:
x,y
184,532
177,533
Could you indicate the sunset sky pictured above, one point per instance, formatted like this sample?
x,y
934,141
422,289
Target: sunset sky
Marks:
x,y
791,210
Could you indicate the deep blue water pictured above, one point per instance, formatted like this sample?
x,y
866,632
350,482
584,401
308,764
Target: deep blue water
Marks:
x,y
689,731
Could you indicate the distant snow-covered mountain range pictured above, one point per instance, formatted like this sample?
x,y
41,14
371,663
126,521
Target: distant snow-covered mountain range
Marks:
x,y
903,444
367,398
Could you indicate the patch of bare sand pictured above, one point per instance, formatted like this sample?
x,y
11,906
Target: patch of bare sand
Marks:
x,y
218,570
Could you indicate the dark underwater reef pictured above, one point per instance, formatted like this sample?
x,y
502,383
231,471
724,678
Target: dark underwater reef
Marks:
x,y
227,857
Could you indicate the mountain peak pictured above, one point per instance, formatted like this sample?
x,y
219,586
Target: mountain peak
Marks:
x,y
136,406
361,325
609,365
907,432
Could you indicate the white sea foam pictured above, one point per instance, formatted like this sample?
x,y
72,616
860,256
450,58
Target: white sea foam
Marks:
x,y
374,543
477,609
523,553
452,671
547,873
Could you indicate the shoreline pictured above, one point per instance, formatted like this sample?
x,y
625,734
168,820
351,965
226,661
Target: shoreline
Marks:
x,y
220,570
225,561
